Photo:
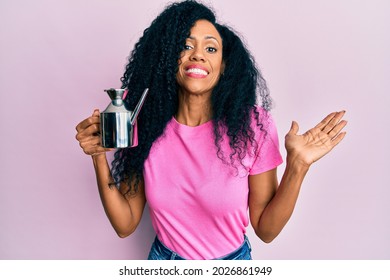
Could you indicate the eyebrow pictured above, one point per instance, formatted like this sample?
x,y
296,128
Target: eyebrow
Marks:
x,y
206,38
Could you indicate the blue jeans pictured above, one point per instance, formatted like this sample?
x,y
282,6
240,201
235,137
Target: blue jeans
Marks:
x,y
160,252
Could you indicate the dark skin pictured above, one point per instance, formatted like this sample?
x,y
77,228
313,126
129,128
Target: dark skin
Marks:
x,y
271,203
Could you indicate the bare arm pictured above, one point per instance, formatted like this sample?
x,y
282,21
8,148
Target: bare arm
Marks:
x,y
270,205
124,211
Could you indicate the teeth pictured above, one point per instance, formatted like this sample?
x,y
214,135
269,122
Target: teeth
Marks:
x,y
197,71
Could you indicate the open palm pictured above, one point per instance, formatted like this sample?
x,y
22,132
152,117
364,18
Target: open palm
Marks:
x,y
316,142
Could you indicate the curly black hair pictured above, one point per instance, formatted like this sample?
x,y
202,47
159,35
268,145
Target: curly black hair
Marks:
x,y
153,64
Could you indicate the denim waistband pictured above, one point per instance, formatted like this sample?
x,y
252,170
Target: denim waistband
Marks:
x,y
161,252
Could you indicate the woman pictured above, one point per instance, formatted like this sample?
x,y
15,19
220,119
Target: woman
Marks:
x,y
206,151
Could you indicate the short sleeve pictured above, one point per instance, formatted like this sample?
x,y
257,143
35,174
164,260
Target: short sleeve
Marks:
x,y
268,154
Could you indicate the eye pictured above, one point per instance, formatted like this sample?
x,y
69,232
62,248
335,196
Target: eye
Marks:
x,y
187,47
211,49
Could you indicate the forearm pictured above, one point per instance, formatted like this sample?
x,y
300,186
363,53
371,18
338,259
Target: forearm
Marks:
x,y
279,210
271,206
115,204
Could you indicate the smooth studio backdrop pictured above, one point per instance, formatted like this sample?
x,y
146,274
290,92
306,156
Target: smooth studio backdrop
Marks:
x,y
57,57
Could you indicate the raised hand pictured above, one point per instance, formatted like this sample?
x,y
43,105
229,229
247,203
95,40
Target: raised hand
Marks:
x,y
88,135
316,142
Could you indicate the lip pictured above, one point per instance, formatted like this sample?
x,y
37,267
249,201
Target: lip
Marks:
x,y
193,74
197,66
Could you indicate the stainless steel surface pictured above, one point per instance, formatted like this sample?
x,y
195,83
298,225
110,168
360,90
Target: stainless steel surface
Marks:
x,y
118,126
139,106
116,95
116,130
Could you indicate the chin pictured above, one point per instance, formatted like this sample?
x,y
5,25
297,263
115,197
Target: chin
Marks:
x,y
197,91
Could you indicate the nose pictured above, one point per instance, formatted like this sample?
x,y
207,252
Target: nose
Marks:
x,y
197,55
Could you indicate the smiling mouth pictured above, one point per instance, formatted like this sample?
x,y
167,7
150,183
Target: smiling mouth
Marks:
x,y
196,71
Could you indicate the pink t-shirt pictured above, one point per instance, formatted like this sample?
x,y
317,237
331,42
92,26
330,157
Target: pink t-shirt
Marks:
x,y
199,204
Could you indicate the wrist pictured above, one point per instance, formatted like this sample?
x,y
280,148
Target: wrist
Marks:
x,y
297,164
96,158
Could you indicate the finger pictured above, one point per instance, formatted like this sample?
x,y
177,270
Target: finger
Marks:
x,y
325,121
294,128
336,130
330,121
92,147
333,122
96,113
91,131
87,122
91,141
95,118
338,138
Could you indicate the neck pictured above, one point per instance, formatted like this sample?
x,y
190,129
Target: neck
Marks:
x,y
193,109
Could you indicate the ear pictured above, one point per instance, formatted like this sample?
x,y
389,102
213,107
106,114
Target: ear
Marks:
x,y
222,67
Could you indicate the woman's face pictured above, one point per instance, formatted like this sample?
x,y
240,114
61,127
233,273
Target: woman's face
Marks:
x,y
201,62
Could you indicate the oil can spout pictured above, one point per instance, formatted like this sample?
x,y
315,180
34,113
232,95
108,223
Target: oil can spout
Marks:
x,y
139,106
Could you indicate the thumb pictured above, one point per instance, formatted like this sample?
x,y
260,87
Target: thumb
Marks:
x,y
294,128
95,113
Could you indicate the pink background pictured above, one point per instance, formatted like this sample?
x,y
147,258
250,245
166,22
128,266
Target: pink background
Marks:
x,y
56,57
